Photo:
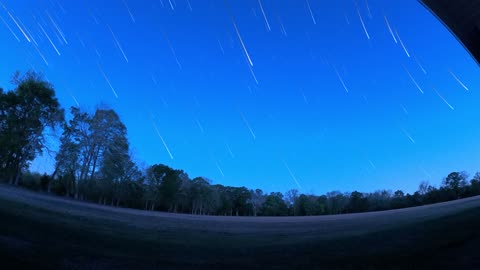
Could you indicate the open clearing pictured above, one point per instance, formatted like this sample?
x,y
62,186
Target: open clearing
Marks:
x,y
41,231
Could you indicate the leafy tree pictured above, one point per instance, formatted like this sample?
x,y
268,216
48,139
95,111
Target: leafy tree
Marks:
x,y
336,202
45,182
275,205
307,205
225,195
423,188
322,205
456,181
240,197
475,185
202,196
117,166
94,150
398,194
25,112
398,200
166,183
257,198
291,197
357,203
67,160
94,163
379,200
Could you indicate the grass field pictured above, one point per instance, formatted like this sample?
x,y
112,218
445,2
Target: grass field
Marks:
x,y
44,232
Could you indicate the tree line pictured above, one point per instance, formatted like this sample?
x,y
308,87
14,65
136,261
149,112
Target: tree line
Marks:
x,y
94,163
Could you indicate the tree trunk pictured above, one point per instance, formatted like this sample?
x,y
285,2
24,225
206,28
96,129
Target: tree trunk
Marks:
x,y
94,163
17,172
76,190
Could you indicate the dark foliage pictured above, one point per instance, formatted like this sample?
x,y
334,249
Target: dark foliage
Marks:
x,y
94,164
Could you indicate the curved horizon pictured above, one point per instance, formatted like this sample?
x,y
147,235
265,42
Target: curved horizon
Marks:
x,y
305,95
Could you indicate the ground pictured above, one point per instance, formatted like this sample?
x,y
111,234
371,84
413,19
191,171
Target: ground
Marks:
x,y
40,231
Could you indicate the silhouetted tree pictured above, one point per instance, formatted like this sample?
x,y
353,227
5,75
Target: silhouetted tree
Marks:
x,y
274,205
336,202
291,197
456,181
257,198
25,112
357,203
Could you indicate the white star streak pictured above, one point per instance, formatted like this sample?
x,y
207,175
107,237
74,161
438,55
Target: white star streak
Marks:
x,y
58,28
163,141
401,43
404,109
20,28
129,12
368,9
221,47
420,65
26,30
118,44
371,163
444,100
363,24
264,16
413,80
248,126
283,30
230,150
11,31
171,5
76,101
292,175
458,80
408,135
41,55
199,125
108,81
341,80
51,42
304,97
253,74
347,20
219,169
241,41
311,13
390,30
425,172
173,51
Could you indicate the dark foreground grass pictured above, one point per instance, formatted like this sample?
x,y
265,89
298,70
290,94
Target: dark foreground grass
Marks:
x,y
35,238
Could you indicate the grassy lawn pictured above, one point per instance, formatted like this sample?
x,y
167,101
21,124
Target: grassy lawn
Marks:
x,y
36,237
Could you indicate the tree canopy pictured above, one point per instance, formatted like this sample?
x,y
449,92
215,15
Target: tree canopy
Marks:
x,y
94,163
25,113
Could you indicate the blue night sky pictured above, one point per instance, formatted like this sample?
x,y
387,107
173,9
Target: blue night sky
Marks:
x,y
323,95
